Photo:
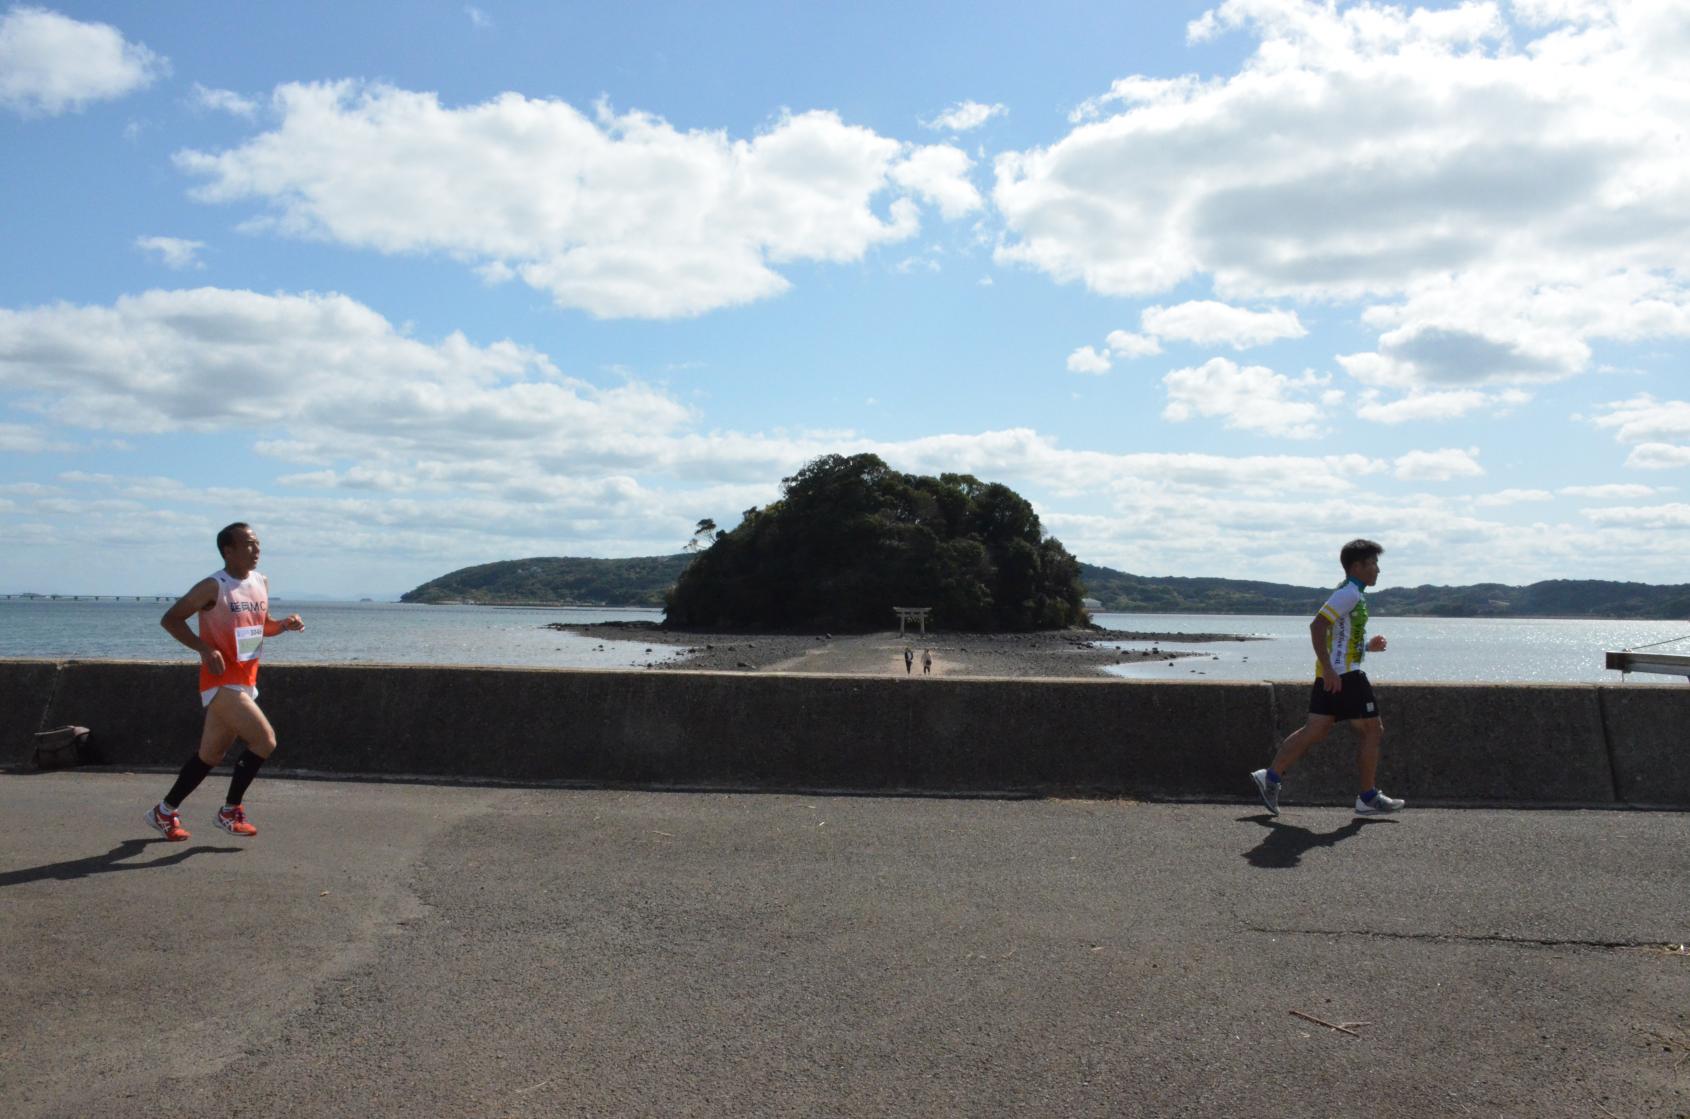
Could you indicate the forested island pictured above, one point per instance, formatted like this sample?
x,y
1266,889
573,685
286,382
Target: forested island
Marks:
x,y
645,580
850,538
557,581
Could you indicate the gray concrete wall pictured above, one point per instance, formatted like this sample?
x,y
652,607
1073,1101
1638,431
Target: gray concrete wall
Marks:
x,y
26,688
1648,732
1575,744
1514,744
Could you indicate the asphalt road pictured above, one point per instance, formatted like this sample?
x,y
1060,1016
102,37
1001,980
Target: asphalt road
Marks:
x,y
415,950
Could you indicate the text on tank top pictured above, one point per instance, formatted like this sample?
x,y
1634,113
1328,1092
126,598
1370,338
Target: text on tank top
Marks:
x,y
234,626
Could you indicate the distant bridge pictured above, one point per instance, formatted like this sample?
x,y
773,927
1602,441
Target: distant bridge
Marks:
x,y
87,598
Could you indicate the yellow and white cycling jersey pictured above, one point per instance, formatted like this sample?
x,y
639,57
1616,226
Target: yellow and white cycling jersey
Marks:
x,y
1346,641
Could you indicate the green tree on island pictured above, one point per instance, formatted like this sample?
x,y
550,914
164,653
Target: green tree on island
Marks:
x,y
703,536
850,538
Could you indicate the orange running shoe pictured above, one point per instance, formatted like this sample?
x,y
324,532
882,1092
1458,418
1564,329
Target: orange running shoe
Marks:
x,y
168,826
233,821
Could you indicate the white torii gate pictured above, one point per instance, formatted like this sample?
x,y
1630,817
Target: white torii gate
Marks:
x,y
912,614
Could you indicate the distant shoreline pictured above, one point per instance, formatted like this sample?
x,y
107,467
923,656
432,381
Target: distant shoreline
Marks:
x,y
1376,613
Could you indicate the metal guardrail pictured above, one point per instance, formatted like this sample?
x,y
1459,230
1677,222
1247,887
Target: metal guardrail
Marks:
x,y
1664,664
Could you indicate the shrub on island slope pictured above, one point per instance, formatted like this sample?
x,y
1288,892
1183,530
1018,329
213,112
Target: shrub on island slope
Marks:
x,y
851,538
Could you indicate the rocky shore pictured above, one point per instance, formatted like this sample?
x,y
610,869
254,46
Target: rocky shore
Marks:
x,y
1059,653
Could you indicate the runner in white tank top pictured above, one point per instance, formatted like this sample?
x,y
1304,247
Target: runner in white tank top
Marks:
x,y
233,606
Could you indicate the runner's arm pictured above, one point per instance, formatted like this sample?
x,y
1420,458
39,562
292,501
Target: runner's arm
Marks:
x,y
271,626
175,622
1319,630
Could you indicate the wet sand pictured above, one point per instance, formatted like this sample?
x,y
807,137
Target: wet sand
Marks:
x,y
1059,653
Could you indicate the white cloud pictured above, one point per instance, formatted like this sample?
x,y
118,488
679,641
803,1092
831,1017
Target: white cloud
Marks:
x,y
1620,491
1675,516
1253,398
1283,536
1658,456
1465,336
1648,423
1164,481
316,367
622,215
24,439
1148,513
415,455
330,384
224,101
51,64
1087,360
965,116
1439,466
1136,91
1502,498
1209,323
1123,343
938,173
175,252
1450,404
1422,406
479,18
1643,418
1540,13
1539,202
1119,344
28,489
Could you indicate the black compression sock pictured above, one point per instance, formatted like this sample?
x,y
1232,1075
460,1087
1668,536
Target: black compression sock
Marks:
x,y
193,772
245,770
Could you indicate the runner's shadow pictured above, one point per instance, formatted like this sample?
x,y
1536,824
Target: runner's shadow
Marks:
x,y
107,863
1286,844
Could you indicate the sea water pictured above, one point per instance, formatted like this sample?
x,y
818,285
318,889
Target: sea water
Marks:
x,y
1473,650
1462,650
338,633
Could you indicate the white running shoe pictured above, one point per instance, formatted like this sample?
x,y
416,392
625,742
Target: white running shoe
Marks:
x,y
1268,789
1382,805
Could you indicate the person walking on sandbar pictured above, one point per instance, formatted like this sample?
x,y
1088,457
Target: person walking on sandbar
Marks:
x,y
233,605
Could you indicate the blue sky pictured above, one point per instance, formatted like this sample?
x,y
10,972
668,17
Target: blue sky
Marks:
x,y
1217,286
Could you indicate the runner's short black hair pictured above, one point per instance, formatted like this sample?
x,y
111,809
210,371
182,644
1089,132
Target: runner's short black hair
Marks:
x,y
227,536
1357,550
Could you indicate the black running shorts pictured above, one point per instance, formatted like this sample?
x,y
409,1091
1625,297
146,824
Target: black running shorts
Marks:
x,y
1354,701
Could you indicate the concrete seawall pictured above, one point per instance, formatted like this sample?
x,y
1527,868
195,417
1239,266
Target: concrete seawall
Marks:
x,y
1572,744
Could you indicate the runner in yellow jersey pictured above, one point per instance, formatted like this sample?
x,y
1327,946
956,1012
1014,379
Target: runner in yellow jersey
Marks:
x,y
1341,690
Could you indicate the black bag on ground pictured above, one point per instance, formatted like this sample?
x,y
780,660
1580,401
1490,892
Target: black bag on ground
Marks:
x,y
63,747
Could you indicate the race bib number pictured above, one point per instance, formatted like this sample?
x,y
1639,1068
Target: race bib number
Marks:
x,y
247,641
